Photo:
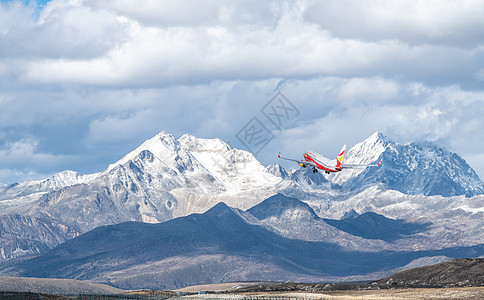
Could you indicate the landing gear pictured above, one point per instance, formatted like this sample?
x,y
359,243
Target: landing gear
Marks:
x,y
315,170
327,172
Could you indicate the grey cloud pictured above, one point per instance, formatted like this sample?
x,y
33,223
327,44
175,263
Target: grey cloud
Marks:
x,y
190,13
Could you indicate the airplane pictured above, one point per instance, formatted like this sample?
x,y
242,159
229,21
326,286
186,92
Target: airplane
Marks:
x,y
319,162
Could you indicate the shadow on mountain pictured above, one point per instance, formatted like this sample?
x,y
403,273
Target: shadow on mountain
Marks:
x,y
371,225
220,232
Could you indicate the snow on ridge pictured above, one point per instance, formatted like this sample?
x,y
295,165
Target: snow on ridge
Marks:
x,y
63,178
239,170
160,145
365,152
395,204
277,170
35,188
193,143
412,168
69,177
209,165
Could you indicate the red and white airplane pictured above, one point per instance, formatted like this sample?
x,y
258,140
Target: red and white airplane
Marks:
x,y
319,162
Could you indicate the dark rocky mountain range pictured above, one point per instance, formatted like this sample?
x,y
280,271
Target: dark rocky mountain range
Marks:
x,y
216,246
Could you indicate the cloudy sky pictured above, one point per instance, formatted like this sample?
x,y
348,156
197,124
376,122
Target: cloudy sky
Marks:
x,y
83,82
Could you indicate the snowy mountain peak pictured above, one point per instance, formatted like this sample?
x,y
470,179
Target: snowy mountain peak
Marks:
x,y
237,169
161,145
68,177
378,137
351,214
413,168
365,152
192,143
62,179
277,170
374,144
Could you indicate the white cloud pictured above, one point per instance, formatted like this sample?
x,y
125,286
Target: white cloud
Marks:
x,y
63,29
162,55
21,160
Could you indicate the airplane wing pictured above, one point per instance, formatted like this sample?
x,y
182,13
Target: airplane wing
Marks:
x,y
302,163
351,166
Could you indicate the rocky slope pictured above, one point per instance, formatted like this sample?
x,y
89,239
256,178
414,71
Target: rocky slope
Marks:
x,y
455,273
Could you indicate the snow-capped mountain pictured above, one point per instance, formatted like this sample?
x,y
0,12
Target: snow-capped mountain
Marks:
x,y
237,170
451,221
277,170
162,179
414,168
59,180
165,178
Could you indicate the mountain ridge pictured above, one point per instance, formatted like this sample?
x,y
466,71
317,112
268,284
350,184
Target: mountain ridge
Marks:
x,y
218,242
167,177
183,151
412,168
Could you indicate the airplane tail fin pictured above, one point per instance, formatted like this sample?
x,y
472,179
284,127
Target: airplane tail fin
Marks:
x,y
340,157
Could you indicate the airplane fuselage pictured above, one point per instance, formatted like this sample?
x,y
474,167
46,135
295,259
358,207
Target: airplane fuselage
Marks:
x,y
321,162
